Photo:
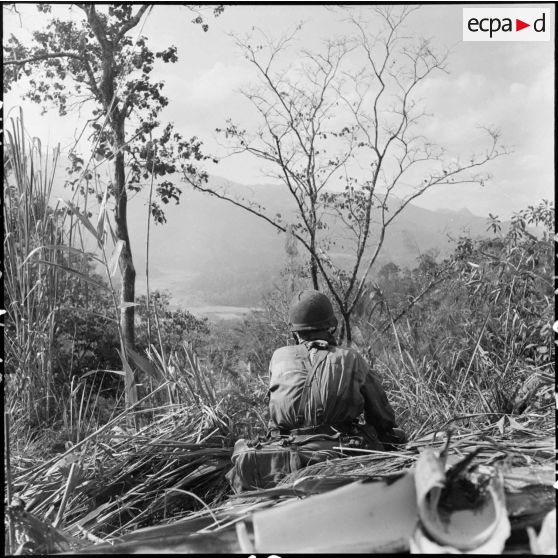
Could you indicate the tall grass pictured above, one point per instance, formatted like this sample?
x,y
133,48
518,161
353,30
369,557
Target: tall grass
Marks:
x,y
429,395
46,265
32,288
480,346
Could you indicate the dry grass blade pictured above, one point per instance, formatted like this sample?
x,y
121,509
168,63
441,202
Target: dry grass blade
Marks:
x,y
30,475
212,527
153,477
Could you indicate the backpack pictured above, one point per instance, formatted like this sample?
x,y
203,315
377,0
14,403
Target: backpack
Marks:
x,y
263,464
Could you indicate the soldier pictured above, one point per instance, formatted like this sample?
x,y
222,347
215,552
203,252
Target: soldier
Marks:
x,y
318,387
317,393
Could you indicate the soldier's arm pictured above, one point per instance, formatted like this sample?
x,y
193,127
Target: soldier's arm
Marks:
x,y
377,409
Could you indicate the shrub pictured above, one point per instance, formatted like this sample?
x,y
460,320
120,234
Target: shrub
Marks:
x,y
464,335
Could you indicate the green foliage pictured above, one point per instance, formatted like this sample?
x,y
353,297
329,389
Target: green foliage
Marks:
x,y
95,58
465,334
508,280
163,324
86,336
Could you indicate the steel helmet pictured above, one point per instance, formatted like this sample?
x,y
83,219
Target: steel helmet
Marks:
x,y
311,310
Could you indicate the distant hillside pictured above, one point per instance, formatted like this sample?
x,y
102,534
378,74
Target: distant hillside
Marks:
x,y
211,252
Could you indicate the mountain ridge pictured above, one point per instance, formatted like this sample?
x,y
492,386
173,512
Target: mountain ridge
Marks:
x,y
211,252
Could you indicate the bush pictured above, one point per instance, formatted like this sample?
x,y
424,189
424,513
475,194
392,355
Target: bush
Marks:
x,y
464,335
161,325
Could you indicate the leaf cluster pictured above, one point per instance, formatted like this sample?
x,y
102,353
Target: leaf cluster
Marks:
x,y
95,60
497,288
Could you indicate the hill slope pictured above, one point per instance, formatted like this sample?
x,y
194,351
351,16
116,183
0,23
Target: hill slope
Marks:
x,y
211,252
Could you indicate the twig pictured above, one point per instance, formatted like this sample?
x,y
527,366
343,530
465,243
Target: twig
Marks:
x,y
69,486
472,357
91,536
445,449
213,516
376,452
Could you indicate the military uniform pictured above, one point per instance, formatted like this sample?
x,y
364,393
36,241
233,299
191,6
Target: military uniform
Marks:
x,y
343,387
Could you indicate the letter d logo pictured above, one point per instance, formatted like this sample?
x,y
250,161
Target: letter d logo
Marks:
x,y
540,24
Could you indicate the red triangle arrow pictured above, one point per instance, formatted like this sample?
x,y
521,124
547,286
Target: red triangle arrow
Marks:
x,y
519,25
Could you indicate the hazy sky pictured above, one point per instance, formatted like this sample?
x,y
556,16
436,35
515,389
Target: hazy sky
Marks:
x,y
509,85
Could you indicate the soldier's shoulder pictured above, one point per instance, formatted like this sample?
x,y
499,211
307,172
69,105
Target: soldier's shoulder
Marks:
x,y
350,357
287,350
349,353
343,349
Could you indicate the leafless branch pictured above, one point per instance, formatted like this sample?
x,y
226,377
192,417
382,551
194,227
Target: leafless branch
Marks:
x,y
379,113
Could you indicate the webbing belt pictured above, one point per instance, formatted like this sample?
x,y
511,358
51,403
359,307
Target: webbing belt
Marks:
x,y
327,429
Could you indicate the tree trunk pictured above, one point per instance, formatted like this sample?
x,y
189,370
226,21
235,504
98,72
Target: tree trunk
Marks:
x,y
347,328
121,219
313,263
127,270
314,273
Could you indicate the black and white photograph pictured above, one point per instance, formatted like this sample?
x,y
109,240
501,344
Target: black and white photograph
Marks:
x,y
279,277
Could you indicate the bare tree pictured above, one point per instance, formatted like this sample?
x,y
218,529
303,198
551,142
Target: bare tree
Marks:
x,y
353,120
295,112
